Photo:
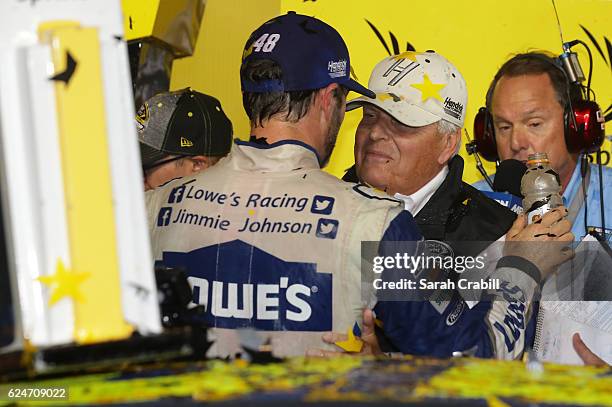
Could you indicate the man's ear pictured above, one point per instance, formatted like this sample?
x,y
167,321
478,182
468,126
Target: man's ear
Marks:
x,y
199,163
451,146
326,97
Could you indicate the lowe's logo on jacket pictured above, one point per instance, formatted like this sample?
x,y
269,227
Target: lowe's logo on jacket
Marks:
x,y
242,286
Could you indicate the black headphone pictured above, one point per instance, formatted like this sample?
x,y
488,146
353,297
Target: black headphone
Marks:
x,y
583,119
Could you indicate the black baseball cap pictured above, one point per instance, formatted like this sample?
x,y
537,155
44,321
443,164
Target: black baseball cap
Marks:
x,y
183,123
310,53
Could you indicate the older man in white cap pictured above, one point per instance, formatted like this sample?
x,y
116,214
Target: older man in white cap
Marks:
x,y
407,144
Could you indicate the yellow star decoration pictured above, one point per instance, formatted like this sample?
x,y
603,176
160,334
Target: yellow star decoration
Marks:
x,y
353,344
411,55
384,96
64,283
428,89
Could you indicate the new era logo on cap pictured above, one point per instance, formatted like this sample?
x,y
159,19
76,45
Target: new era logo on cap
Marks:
x,y
310,53
186,143
417,89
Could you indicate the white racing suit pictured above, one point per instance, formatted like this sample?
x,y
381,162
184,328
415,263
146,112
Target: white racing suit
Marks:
x,y
271,242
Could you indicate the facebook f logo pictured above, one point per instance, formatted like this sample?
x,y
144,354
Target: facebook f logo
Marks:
x,y
176,195
163,219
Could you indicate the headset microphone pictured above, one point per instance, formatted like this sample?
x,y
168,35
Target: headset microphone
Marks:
x,y
507,185
508,177
472,148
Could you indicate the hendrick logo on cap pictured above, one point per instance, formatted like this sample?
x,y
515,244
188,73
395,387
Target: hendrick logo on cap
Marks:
x,y
453,108
336,69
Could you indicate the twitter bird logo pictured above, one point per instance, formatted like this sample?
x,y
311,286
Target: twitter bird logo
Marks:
x,y
327,228
322,205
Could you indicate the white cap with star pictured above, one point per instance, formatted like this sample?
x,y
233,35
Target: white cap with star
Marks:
x,y
417,89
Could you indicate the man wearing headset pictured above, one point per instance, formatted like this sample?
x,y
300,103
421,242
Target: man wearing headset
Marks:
x,y
529,100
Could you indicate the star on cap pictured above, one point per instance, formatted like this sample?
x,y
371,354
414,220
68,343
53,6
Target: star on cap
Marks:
x,y
386,96
411,55
429,89
64,283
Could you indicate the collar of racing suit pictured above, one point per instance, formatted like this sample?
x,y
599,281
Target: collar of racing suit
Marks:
x,y
282,156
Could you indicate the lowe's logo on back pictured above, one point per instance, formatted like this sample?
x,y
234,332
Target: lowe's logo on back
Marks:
x,y
242,286
322,205
248,301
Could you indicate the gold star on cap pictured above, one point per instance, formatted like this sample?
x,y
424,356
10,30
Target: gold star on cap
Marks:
x,y
64,283
429,89
411,55
384,96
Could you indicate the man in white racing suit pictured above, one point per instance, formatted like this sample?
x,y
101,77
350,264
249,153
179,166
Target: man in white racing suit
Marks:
x,y
270,241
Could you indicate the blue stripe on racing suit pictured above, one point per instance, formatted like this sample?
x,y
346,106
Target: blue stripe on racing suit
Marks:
x,y
489,329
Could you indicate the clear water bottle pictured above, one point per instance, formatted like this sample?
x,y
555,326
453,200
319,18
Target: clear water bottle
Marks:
x,y
541,188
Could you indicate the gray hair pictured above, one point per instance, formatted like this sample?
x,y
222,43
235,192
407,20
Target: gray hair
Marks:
x,y
446,128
